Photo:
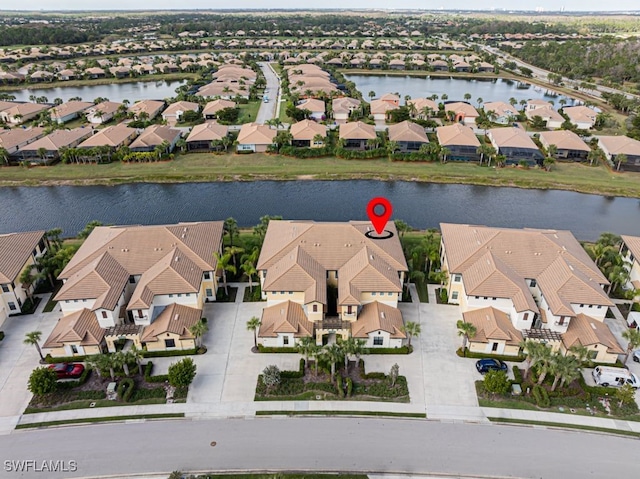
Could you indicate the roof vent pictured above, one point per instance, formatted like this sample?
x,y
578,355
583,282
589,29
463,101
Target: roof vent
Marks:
x,y
571,267
177,259
371,256
184,236
185,229
593,326
382,314
176,316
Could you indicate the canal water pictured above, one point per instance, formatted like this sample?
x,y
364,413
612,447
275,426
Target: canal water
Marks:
x,y
422,205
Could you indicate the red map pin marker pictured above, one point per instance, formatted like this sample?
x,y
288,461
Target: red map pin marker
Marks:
x,y
379,221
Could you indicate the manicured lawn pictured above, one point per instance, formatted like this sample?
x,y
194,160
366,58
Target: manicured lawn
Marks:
x,y
228,167
248,112
100,419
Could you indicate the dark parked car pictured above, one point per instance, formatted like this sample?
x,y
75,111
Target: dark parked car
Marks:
x,y
67,370
486,365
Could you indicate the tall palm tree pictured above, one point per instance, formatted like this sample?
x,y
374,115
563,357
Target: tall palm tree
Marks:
x,y
249,269
334,354
545,360
137,355
305,347
28,278
533,350
467,331
621,159
223,264
198,330
253,325
552,151
633,338
33,339
231,228
371,95
564,368
4,155
487,150
411,329
352,347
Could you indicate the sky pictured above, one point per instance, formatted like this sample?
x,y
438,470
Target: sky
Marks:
x,y
547,5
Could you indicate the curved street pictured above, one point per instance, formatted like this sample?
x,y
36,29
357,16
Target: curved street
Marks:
x,y
324,444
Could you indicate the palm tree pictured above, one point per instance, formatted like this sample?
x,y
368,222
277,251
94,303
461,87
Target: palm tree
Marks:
x,y
513,102
633,338
485,150
198,330
547,162
444,151
593,155
621,159
411,329
306,346
467,331
223,264
28,278
137,355
318,139
580,352
552,151
391,147
231,228
252,325
354,347
248,267
532,350
334,354
564,368
371,95
545,359
467,96
233,251
98,363
4,155
617,275
480,101
32,339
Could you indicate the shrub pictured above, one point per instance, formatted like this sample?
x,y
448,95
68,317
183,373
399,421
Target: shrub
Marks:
x,y
43,381
349,387
339,388
541,396
182,372
65,359
163,354
125,389
153,393
271,377
401,350
359,154
496,382
264,349
444,296
297,152
153,379
517,375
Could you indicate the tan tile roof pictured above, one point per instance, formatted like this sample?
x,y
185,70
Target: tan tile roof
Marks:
x,y
220,89
15,250
407,131
421,103
311,104
182,106
176,319
286,317
580,114
150,107
587,331
209,131
80,327
377,316
25,109
106,107
307,130
68,108
633,243
492,324
546,113
217,105
5,105
9,139
380,106
255,134
155,135
511,137
344,104
564,140
58,139
357,131
563,270
539,103
103,279
113,136
456,135
298,271
390,97
462,107
617,145
500,108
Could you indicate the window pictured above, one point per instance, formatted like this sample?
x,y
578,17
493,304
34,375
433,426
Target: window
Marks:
x,y
378,341
171,296
525,317
132,279
349,309
591,305
485,298
494,347
12,306
207,275
209,292
389,294
457,278
582,305
290,292
533,283
169,343
140,313
5,288
593,355
74,349
281,292
104,314
454,295
188,295
285,340
599,307
315,308
494,299
373,294
561,321
179,295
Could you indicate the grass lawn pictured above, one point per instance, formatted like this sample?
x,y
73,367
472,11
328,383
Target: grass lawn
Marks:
x,y
248,112
51,304
229,167
100,419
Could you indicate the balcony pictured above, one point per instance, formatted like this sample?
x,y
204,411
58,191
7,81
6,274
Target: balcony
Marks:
x,y
333,324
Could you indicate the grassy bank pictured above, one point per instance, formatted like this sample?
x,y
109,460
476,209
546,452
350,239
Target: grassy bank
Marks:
x,y
232,167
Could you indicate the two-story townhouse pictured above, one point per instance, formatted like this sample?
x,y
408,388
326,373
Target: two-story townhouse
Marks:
x,y
630,251
18,251
131,279
330,279
541,280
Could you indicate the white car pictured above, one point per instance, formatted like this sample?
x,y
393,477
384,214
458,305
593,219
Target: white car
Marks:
x,y
636,355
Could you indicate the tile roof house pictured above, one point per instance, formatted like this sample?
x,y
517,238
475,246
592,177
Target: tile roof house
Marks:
x,y
495,334
408,135
113,136
314,106
515,144
174,112
541,279
424,107
581,116
380,109
460,140
569,145
630,251
618,145
213,107
206,136
255,138
127,277
22,112
12,140
306,263
76,334
102,112
154,136
500,112
53,143
69,110
356,134
147,108
462,112
304,133
18,251
343,107
552,118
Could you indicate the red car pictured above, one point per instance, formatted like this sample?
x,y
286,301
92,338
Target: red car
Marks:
x,y
67,370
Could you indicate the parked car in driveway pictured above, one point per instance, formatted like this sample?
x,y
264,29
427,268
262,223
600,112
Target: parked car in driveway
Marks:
x,y
486,365
67,370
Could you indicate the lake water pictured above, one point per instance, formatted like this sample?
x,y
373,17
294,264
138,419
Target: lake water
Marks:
x,y
422,205
153,90
496,89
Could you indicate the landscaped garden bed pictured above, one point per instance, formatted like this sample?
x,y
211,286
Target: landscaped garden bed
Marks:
x,y
352,384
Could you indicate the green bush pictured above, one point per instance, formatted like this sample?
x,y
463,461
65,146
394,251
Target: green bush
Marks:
x,y
78,382
517,375
65,359
359,154
339,388
153,393
471,354
165,354
412,156
496,382
42,381
444,296
401,350
297,152
349,387
374,376
541,396
264,349
153,379
125,389
182,372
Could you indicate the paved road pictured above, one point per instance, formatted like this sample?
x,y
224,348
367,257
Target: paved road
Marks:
x,y
335,444
268,110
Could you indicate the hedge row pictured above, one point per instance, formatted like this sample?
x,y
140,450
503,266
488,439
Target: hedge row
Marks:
x,y
264,349
78,382
347,154
339,388
517,375
153,379
166,354
294,374
541,396
297,152
125,389
400,350
413,156
471,354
